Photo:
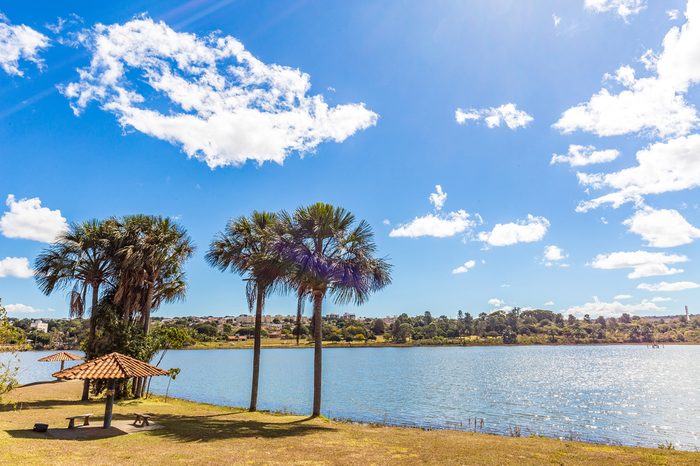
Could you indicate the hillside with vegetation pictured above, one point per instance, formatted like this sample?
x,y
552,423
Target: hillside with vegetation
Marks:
x,y
500,327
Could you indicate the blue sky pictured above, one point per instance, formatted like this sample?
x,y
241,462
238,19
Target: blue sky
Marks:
x,y
475,97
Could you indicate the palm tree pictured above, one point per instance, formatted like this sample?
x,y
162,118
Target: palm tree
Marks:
x,y
246,247
329,254
79,259
151,253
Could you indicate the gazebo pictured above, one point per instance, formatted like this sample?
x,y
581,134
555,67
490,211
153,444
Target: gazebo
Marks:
x,y
110,367
62,356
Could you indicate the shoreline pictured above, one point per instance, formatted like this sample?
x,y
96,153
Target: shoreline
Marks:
x,y
208,433
409,345
309,345
448,427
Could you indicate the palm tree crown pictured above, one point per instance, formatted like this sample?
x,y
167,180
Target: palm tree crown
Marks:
x,y
328,253
246,247
79,258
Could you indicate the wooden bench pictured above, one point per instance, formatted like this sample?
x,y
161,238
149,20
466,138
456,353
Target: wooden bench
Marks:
x,y
84,417
142,420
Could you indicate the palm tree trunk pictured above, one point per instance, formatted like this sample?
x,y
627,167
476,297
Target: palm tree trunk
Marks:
x,y
147,308
146,318
256,348
300,304
93,333
318,348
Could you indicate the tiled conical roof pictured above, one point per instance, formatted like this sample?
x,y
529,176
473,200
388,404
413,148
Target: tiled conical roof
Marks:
x,y
62,356
110,366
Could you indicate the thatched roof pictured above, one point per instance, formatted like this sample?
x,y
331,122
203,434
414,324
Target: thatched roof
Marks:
x,y
62,356
110,366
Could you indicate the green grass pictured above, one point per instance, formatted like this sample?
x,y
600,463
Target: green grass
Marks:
x,y
207,434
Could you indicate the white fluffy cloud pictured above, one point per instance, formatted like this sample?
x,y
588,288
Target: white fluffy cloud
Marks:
x,y
438,198
439,226
642,263
15,267
24,309
644,104
653,104
624,8
27,219
208,95
470,264
673,14
622,296
579,156
662,167
662,228
666,286
495,302
554,255
522,231
507,114
598,308
19,42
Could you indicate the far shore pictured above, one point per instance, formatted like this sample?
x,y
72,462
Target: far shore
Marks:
x,y
291,344
302,345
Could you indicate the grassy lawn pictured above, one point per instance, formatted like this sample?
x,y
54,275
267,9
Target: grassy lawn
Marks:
x,y
207,434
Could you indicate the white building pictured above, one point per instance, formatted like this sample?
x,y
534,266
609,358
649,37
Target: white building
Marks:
x,y
40,326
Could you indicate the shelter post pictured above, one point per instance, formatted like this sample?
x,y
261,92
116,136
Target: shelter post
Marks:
x,y
110,404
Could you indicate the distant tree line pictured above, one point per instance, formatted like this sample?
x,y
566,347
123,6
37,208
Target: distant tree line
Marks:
x,y
499,327
515,326
538,326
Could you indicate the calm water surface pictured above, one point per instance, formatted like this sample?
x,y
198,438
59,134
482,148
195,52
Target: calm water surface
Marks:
x,y
630,395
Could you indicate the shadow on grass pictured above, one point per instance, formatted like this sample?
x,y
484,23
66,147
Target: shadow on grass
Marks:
x,y
182,428
45,404
229,426
80,434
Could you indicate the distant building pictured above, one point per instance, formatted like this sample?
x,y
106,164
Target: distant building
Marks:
x,y
244,319
40,326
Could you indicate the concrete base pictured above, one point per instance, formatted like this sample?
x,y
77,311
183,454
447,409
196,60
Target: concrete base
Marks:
x,y
95,431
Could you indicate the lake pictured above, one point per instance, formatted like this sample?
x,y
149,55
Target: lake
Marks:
x,y
626,394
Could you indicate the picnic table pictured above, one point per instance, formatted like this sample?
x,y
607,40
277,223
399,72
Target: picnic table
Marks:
x,y
142,420
84,417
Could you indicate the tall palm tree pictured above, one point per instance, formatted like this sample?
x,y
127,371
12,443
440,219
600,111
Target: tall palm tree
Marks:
x,y
246,247
329,254
151,254
79,259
